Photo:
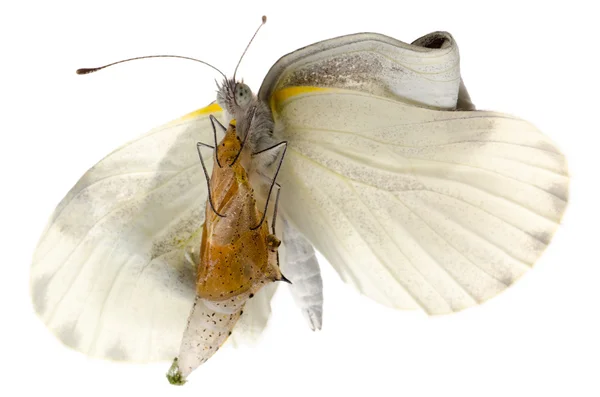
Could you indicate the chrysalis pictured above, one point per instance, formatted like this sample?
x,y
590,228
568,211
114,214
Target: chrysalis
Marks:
x,y
238,255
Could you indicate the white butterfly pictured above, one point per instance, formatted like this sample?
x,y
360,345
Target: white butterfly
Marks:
x,y
415,198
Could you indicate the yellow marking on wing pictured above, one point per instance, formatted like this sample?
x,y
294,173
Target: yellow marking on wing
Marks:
x,y
283,95
183,241
233,122
212,108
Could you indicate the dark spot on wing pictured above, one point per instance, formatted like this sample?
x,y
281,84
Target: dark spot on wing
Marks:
x,y
117,353
68,336
560,190
506,279
542,236
38,293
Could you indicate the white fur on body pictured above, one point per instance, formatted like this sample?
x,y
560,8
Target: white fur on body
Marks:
x,y
300,265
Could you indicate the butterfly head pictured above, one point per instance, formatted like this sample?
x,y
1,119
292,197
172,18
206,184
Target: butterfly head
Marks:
x,y
234,97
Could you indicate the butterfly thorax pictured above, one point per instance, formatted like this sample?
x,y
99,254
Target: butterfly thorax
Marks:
x,y
236,256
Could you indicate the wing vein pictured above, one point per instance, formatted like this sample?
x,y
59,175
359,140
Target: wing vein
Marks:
x,y
447,241
485,170
408,259
112,211
385,267
477,235
357,134
339,175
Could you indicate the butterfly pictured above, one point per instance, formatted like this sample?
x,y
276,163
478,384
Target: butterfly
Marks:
x,y
416,198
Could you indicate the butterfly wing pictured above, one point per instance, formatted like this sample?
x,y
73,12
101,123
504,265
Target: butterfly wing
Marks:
x,y
426,73
415,206
111,275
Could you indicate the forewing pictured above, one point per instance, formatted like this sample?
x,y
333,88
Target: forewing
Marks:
x,y
418,208
426,72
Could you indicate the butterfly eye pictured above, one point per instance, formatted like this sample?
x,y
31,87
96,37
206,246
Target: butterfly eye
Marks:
x,y
243,95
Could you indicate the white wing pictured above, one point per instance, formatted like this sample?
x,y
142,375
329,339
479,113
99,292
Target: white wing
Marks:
x,y
418,208
109,276
416,205
426,72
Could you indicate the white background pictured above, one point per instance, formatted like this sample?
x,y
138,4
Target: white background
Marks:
x,y
537,61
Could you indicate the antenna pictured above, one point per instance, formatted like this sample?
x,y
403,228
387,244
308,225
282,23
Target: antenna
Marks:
x,y
264,20
92,70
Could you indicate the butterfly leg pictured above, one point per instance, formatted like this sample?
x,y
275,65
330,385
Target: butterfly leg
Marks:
x,y
198,145
253,110
214,120
275,208
277,146
272,239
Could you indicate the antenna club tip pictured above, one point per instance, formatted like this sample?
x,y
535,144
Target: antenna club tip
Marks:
x,y
264,19
84,71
